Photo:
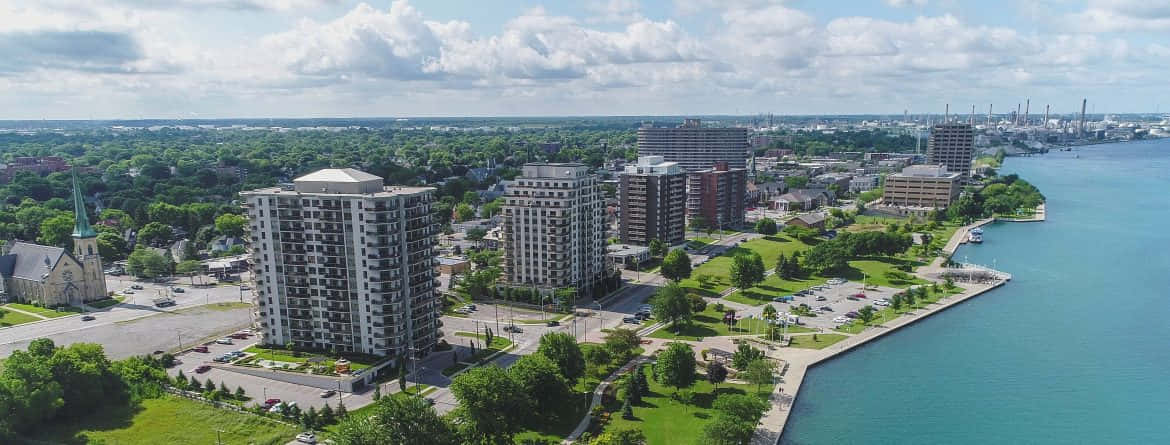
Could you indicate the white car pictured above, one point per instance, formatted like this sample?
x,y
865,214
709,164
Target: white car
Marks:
x,y
881,303
307,437
224,341
842,319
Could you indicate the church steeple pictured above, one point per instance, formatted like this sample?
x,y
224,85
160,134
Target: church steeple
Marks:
x,y
81,227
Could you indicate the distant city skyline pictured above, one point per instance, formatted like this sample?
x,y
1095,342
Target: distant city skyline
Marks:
x,y
130,59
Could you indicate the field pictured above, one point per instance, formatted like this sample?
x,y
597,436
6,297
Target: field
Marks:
x,y
107,302
822,341
719,268
45,312
708,323
12,318
169,420
667,421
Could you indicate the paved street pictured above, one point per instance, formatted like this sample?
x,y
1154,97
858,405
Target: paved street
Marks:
x,y
136,326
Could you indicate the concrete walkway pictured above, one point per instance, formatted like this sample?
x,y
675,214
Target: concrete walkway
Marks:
x,y
597,393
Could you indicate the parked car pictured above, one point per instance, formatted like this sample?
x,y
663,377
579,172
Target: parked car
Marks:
x,y
280,407
239,336
307,437
87,318
136,287
821,298
825,309
327,393
245,287
632,320
842,319
859,295
513,328
852,314
202,349
270,403
128,292
224,341
784,299
202,369
178,290
472,307
552,323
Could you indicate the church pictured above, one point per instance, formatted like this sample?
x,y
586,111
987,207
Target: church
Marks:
x,y
50,276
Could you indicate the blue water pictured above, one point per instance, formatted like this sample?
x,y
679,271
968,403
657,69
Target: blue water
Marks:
x,y
1075,349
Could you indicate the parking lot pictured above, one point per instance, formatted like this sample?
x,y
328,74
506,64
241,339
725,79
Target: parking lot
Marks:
x,y
836,297
258,388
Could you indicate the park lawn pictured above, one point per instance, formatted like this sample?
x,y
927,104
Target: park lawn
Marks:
x,y
555,429
13,318
699,242
498,344
708,323
874,269
719,268
45,312
285,355
774,286
822,341
165,420
666,421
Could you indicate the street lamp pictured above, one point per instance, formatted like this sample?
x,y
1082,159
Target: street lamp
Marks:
x,y
180,337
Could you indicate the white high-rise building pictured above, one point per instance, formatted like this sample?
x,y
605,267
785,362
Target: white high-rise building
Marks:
x,y
342,262
554,229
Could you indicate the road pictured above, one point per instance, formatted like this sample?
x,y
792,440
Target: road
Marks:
x,y
135,326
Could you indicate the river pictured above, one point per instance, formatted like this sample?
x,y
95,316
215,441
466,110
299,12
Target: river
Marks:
x,y
1073,350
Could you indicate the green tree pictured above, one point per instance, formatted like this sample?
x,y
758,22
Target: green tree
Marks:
x,y
464,212
747,270
542,382
676,266
492,404
563,350
744,355
766,226
620,436
470,198
676,366
866,314
189,268
759,372
716,373
670,305
896,302
147,264
231,225
492,208
740,406
476,235
657,248
698,223
57,231
622,342
727,430
111,246
394,420
155,233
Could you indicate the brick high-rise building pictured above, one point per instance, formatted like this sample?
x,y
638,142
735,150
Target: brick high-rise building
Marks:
x,y
694,147
554,229
952,145
717,195
653,196
344,263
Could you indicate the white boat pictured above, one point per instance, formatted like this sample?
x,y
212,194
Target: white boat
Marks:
x,y
977,231
975,238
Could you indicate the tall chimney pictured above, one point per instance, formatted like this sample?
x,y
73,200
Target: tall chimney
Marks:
x,y
971,120
989,108
1017,117
947,114
1045,115
1026,109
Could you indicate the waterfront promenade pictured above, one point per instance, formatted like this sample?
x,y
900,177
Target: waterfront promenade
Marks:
x,y
799,361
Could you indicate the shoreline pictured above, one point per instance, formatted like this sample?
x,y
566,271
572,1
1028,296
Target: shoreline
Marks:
x,y
773,422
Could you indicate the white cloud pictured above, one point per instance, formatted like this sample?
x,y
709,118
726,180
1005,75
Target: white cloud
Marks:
x,y
905,3
1120,16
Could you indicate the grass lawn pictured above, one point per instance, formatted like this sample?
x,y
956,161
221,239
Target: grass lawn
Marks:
x,y
699,242
708,323
719,268
285,355
107,302
45,312
554,430
882,272
498,344
12,318
165,420
822,341
215,307
666,421
774,286
888,313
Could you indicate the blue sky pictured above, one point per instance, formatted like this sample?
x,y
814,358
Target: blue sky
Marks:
x,y
305,58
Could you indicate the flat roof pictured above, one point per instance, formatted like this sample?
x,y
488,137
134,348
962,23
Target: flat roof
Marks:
x,y
387,191
450,261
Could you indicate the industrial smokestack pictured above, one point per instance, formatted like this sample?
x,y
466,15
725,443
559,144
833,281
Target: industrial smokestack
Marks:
x,y
1045,115
971,120
947,114
989,108
1016,118
1026,109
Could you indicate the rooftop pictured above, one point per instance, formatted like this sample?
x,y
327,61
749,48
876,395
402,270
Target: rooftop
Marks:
x,y
341,175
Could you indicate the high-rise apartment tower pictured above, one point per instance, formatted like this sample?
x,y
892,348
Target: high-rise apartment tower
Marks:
x,y
951,145
717,195
344,263
694,147
653,196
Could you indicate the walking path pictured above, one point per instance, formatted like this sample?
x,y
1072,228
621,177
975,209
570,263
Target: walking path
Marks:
x,y
585,421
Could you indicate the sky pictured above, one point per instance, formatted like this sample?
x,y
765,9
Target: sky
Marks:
x,y
176,59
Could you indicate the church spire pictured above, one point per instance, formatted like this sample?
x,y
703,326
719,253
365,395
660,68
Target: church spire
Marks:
x,y
81,227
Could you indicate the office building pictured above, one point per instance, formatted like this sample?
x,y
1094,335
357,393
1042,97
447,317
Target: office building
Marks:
x,y
653,196
717,196
694,147
344,263
930,186
554,229
952,145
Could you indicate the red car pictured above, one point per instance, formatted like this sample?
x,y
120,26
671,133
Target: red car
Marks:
x,y
859,295
202,349
202,369
271,403
239,336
